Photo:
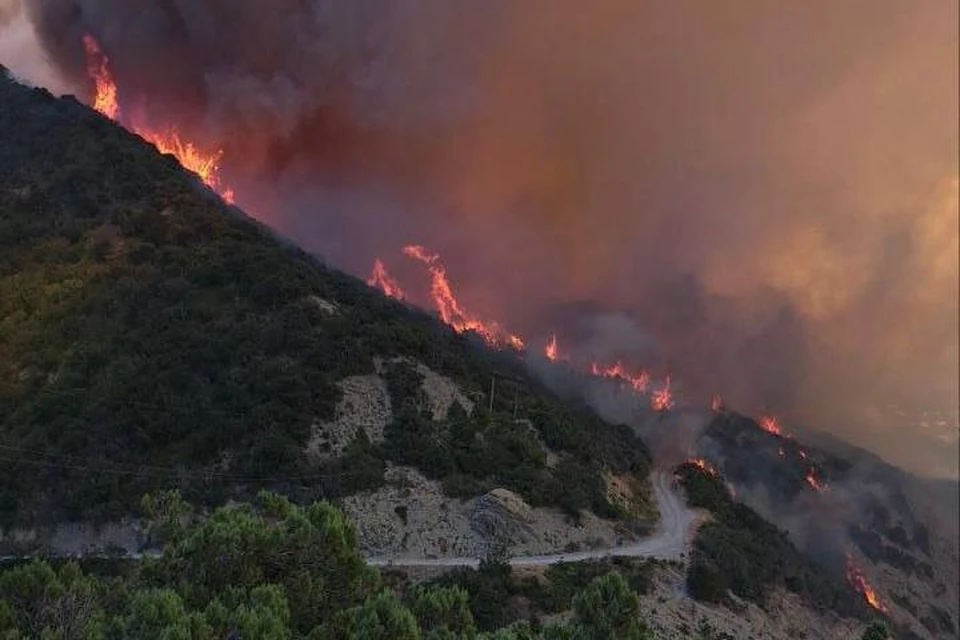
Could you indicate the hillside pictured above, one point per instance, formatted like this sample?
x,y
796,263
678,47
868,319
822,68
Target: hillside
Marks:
x,y
900,531
152,336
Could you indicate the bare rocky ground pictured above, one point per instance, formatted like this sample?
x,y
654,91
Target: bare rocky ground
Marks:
x,y
673,615
410,517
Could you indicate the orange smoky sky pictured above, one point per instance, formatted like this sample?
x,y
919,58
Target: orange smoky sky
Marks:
x,y
760,197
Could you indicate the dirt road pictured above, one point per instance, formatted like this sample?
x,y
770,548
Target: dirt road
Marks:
x,y
668,543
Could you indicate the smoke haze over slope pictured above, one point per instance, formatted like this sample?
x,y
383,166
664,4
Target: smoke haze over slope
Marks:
x,y
759,198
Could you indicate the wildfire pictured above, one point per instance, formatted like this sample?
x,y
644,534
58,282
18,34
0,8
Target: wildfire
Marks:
x,y
662,399
716,403
550,351
205,165
617,371
449,308
382,280
770,424
814,482
859,583
703,465
105,99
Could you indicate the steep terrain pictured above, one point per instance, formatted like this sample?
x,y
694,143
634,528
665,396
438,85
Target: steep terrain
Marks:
x,y
897,531
151,335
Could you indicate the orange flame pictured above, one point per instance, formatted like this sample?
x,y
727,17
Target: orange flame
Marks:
x,y
703,465
105,98
381,279
550,351
618,371
662,399
205,165
814,482
859,583
716,403
770,424
449,308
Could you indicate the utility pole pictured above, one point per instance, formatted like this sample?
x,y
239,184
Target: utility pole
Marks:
x,y
493,382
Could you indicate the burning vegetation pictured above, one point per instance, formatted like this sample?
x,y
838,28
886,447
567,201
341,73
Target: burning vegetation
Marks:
x,y
105,100
859,583
381,279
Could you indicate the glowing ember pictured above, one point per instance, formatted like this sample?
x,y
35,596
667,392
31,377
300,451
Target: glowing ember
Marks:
x,y
780,452
205,165
449,308
859,583
716,403
815,483
550,351
703,465
105,98
382,280
769,424
662,399
802,454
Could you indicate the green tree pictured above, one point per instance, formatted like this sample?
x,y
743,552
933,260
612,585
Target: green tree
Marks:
x,y
607,608
158,613
311,553
41,602
380,617
876,631
443,613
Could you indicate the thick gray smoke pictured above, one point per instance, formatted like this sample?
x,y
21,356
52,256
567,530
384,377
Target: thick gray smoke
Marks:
x,y
768,191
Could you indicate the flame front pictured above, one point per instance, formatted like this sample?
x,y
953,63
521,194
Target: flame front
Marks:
x,y
449,307
814,482
105,98
381,279
859,583
617,371
205,165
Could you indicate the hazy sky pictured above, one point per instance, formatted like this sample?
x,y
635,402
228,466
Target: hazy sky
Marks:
x,y
763,194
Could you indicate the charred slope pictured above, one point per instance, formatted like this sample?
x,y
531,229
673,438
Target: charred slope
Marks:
x,y
839,509
151,336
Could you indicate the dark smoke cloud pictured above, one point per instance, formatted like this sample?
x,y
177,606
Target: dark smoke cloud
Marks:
x,y
768,191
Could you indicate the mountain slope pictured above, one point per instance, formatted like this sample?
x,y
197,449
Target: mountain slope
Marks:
x,y
853,509
152,336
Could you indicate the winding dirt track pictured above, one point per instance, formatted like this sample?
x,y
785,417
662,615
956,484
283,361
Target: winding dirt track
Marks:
x,y
669,543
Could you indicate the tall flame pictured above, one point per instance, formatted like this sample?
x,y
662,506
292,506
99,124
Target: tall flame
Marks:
x,y
859,583
449,307
205,165
381,279
105,98
662,399
550,351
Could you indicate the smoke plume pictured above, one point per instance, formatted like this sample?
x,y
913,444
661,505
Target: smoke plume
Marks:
x,y
767,191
